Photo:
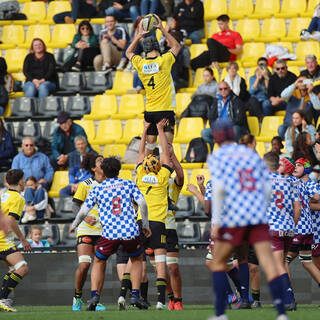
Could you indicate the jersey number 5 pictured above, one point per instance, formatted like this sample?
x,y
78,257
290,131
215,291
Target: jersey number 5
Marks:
x,y
151,82
247,180
116,205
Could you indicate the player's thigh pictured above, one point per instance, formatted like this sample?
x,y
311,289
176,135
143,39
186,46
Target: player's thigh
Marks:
x,y
157,240
222,252
279,257
13,258
85,250
172,243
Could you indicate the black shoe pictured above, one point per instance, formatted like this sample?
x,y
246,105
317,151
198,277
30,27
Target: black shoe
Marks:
x,y
146,302
291,306
92,303
138,302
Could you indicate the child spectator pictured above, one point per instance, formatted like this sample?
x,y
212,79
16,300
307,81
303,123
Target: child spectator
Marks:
x,y
276,145
34,238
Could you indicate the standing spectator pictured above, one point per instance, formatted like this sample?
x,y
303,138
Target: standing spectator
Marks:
x,y
4,98
189,14
303,149
281,79
210,85
33,163
223,46
85,46
312,70
149,6
113,40
7,149
76,171
276,145
80,9
40,70
63,139
124,9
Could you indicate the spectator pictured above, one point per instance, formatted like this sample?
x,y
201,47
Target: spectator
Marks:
x,y
33,163
313,31
312,70
298,98
223,46
149,6
34,238
4,98
124,9
113,40
40,70
7,149
189,14
281,79
276,145
248,140
210,85
63,139
36,198
299,124
76,171
226,106
85,46
168,8
80,9
303,148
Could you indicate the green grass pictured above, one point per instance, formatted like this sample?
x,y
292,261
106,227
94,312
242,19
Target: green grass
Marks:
x,y
196,312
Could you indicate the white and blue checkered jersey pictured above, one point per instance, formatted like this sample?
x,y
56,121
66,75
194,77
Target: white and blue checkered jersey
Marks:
x,y
280,211
315,215
116,213
245,178
208,193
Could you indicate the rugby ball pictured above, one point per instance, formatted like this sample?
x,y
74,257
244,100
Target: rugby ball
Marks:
x,y
149,23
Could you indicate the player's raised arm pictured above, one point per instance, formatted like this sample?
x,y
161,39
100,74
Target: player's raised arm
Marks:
x,y
165,157
83,212
142,148
137,36
179,179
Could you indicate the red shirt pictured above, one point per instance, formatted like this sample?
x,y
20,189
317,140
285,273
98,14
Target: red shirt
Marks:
x,y
229,39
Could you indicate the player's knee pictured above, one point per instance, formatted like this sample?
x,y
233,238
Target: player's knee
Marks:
x,y
174,270
21,268
84,267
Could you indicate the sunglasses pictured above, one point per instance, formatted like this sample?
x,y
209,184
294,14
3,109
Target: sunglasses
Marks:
x,y
29,145
226,88
281,68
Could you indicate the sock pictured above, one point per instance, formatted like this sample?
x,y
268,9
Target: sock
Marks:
x,y
177,300
125,285
78,294
234,276
12,281
244,281
4,281
144,290
276,289
94,293
288,296
161,288
171,296
255,295
228,288
136,293
220,279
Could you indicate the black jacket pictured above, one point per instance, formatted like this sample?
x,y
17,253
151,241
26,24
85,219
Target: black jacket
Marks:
x,y
198,107
277,85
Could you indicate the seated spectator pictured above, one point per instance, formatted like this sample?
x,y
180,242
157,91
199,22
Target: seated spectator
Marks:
x,y
168,8
137,84
313,31
85,46
4,98
248,140
189,14
124,9
80,9
36,198
33,163
226,106
149,6
299,124
7,149
40,70
113,40
77,173
223,46
312,70
210,85
63,139
276,145
281,79
298,98
34,238
303,149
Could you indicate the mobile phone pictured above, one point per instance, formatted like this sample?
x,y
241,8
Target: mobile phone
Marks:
x,y
307,81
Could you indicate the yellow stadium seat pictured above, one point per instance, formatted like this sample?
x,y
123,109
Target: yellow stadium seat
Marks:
x,y
197,49
96,148
261,148
281,113
291,8
249,29
15,59
310,8
11,36
123,81
253,124
114,150
19,76
62,35
88,127
240,8
133,128
251,52
241,72
188,129
35,11
103,107
108,131
126,174
130,106
214,28
213,9
60,180
295,27
272,30
41,31
269,128
265,9
302,50
182,101
177,151
295,70
54,8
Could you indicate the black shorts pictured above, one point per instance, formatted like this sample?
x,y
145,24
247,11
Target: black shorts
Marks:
x,y
88,239
155,117
123,257
252,257
4,254
157,240
172,240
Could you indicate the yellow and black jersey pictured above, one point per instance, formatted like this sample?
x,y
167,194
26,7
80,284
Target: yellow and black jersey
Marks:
x,y
155,74
173,192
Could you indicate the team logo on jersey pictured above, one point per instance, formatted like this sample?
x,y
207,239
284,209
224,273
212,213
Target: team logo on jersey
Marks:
x,y
150,179
150,68
5,197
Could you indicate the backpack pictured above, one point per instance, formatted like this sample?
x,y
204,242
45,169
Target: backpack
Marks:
x,y
132,152
197,151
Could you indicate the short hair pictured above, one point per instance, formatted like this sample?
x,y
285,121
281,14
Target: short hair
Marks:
x,y
247,139
209,70
32,178
25,138
277,138
310,56
111,15
272,160
37,39
13,176
281,61
111,167
89,161
262,59
82,138
232,63
224,18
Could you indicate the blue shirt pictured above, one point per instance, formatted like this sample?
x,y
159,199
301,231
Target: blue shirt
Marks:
x,y
223,108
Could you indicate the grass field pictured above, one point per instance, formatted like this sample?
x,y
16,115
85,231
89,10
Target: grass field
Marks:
x,y
198,312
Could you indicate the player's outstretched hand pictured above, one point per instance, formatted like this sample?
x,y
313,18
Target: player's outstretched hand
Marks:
x,y
146,125
192,188
26,245
200,180
147,232
140,32
71,229
159,26
161,124
90,220
215,231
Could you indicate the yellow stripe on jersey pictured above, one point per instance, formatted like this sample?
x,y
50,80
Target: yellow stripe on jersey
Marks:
x,y
81,194
154,188
12,203
155,74
174,192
